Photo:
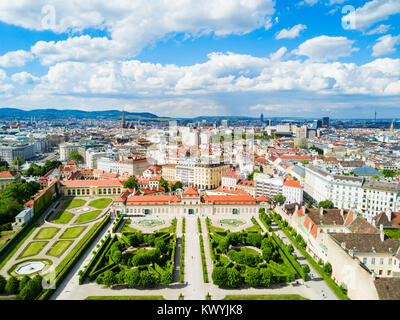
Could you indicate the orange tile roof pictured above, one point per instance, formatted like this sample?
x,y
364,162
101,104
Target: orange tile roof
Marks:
x,y
190,192
230,199
262,199
151,200
94,183
8,174
292,183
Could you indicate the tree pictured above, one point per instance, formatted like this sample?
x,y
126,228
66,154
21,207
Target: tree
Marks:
x,y
131,183
3,283
220,276
251,176
161,245
32,289
12,285
132,277
17,162
148,279
116,256
326,204
223,245
390,173
306,269
109,278
76,156
252,277
234,278
254,239
328,268
25,279
167,277
279,199
235,238
164,183
265,277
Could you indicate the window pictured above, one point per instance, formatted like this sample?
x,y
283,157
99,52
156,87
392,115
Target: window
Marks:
x,y
365,260
381,260
390,261
373,261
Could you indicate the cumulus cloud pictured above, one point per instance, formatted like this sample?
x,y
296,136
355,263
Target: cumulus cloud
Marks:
x,y
131,25
15,59
385,45
290,33
373,12
222,73
24,78
324,48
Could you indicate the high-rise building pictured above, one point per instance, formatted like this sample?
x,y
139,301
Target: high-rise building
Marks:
x,y
262,117
325,122
224,123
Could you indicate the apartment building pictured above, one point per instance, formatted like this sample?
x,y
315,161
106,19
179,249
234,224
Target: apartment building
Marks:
x,y
268,186
8,177
168,172
209,176
368,197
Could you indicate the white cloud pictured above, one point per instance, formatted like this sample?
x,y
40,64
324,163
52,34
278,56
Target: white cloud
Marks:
x,y
24,78
291,33
381,29
222,73
131,25
385,45
82,48
373,12
278,54
324,48
15,59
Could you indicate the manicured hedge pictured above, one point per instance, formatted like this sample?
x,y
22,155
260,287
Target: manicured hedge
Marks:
x,y
327,278
199,225
85,272
118,223
183,225
203,260
75,254
182,261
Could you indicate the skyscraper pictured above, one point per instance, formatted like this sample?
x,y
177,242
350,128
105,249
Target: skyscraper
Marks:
x,y
262,117
325,122
123,119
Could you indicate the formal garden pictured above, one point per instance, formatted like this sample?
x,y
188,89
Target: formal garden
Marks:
x,y
250,258
134,259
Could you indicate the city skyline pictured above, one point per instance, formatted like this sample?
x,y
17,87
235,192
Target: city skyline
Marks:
x,y
284,59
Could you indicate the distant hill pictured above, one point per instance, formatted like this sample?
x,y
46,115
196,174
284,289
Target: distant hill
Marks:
x,y
12,113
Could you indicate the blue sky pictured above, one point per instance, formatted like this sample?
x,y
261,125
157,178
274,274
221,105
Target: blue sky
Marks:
x,y
226,57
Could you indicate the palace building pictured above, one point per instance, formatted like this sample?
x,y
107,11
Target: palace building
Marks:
x,y
187,202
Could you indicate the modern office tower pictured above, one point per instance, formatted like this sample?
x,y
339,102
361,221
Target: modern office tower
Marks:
x,y
325,122
262,117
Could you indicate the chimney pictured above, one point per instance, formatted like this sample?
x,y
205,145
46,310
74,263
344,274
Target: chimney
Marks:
x,y
296,208
381,234
321,211
304,209
341,212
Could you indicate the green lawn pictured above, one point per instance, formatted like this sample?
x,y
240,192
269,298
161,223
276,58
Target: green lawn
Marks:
x,y
392,233
63,217
72,233
32,249
59,248
265,297
46,233
75,203
88,216
100,203
127,228
14,250
125,298
249,250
